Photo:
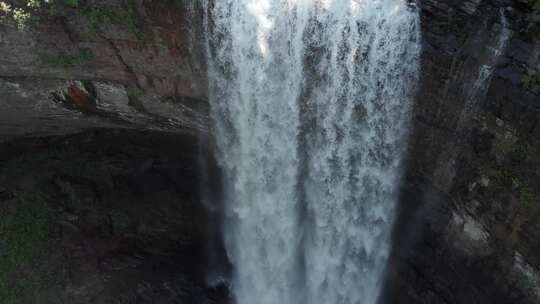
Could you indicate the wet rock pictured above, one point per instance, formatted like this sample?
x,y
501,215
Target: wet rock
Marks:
x,y
159,44
126,222
469,235
520,51
129,225
511,74
5,194
462,213
527,275
158,52
79,98
484,181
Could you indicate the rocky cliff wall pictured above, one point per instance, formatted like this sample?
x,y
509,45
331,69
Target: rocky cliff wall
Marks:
x,y
468,231
124,63
469,226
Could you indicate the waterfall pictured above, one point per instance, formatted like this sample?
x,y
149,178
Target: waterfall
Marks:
x,y
485,73
310,101
475,91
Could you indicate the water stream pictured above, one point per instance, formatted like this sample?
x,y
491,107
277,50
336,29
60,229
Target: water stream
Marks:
x,y
311,102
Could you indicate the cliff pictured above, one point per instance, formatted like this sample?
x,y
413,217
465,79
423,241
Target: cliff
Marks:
x,y
125,63
468,229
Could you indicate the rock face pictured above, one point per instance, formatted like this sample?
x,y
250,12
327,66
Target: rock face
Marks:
x,y
144,58
153,45
469,226
103,216
468,230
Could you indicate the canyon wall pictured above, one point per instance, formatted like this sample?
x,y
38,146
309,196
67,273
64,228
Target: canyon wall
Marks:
x,y
122,63
469,226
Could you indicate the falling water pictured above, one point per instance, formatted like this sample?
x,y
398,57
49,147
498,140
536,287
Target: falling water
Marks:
x,y
485,74
475,91
311,102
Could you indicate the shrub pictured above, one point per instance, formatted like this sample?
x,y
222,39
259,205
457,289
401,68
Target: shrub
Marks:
x,y
24,231
535,6
100,15
26,13
66,60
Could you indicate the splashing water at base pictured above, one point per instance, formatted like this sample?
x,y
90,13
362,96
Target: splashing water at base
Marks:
x,y
311,102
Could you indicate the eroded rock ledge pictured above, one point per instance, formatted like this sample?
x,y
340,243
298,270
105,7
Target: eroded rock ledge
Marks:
x,y
142,60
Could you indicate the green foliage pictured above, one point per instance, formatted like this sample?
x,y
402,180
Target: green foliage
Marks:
x,y
519,179
536,6
102,16
512,177
20,15
134,95
29,11
531,81
55,5
132,20
526,195
508,180
523,191
60,7
65,61
24,230
135,92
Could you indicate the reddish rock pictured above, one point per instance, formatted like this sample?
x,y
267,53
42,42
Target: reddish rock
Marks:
x,y
80,99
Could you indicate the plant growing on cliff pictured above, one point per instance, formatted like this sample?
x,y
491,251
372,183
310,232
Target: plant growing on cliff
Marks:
x,y
20,16
67,60
101,16
531,81
23,238
28,12
535,4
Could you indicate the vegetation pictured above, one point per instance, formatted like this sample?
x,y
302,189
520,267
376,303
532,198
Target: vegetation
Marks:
x,y
526,195
512,167
536,6
24,232
531,81
134,92
66,60
511,181
134,95
27,14
100,15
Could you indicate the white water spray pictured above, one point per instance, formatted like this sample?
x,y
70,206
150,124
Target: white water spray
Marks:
x,y
311,102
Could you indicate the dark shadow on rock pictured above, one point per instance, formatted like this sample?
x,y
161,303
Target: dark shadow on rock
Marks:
x,y
126,220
